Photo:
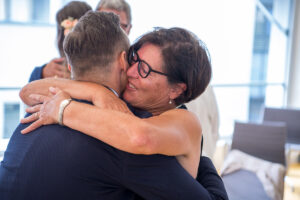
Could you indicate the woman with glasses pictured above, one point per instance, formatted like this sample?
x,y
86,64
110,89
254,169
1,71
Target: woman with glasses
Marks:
x,y
168,67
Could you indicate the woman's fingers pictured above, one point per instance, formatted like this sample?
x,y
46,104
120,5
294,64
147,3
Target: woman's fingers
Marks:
x,y
54,90
32,126
60,74
45,113
34,109
30,118
38,97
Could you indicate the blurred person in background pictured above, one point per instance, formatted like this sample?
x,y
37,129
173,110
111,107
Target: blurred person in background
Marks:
x,y
66,18
206,108
120,8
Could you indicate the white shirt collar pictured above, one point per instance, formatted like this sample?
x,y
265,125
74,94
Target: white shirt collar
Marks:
x,y
113,91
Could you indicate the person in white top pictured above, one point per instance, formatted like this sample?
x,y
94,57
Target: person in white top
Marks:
x,y
206,108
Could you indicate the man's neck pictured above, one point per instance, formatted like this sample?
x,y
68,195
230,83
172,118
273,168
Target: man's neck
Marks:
x,y
115,90
111,83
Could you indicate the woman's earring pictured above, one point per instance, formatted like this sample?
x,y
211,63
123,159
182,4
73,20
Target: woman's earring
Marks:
x,y
170,102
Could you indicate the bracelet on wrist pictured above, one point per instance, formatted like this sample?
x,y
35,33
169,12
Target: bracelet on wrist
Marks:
x,y
62,107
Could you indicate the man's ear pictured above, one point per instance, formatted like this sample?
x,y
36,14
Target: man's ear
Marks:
x,y
69,67
176,90
123,63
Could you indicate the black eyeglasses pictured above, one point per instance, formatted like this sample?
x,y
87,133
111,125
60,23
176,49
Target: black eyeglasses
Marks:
x,y
144,68
124,26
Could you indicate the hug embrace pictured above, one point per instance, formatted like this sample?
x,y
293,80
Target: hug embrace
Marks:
x,y
119,129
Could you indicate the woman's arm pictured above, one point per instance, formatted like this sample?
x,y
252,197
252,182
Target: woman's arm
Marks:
x,y
174,132
99,95
171,133
70,86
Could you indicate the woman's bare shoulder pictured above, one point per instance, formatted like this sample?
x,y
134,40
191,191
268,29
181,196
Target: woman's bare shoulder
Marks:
x,y
185,118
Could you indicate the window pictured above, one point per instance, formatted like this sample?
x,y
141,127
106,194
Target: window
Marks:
x,y
11,118
30,11
259,63
245,100
11,110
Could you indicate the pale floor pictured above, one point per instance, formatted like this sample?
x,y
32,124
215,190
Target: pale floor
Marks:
x,y
292,179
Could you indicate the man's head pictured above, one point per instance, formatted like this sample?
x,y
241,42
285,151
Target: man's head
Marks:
x,y
96,47
120,8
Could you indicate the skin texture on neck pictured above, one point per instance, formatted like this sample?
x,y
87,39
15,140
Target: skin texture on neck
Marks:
x,y
113,76
107,79
105,82
161,110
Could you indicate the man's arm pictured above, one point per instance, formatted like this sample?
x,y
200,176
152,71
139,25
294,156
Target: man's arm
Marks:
x,y
162,177
209,178
36,74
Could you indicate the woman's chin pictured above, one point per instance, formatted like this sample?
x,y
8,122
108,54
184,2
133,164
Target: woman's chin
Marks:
x,y
127,96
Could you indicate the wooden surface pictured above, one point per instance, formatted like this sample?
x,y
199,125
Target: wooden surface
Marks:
x,y
292,183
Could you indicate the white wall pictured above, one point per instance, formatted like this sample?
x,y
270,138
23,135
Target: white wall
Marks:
x,y
23,48
294,77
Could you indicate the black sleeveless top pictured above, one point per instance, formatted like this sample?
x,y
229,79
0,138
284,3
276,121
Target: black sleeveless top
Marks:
x,y
182,106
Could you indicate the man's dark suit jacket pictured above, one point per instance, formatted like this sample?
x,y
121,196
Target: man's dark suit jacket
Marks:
x,y
56,162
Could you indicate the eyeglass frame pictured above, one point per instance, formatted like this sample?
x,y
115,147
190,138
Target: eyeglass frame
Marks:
x,y
131,60
124,26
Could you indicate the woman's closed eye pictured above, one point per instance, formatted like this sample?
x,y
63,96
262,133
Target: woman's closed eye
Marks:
x,y
144,68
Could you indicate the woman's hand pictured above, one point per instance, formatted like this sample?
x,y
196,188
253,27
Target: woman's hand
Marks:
x,y
106,99
99,95
45,113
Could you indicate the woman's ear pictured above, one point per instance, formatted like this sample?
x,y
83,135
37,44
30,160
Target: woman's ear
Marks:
x,y
69,67
176,90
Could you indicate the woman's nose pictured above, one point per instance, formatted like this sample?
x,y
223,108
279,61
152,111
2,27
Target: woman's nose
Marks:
x,y
133,71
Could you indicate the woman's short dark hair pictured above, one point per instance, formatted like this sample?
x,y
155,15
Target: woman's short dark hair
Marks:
x,y
185,57
74,9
